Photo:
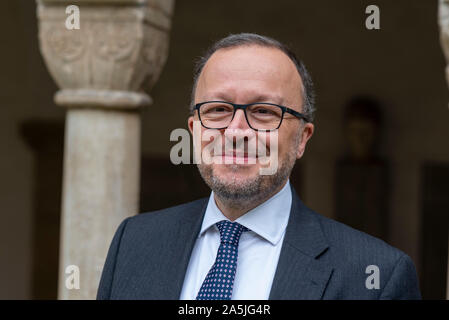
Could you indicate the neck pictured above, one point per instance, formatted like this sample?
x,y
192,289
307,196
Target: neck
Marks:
x,y
233,210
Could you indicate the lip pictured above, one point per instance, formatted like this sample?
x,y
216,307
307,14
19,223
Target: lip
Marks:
x,y
234,159
239,154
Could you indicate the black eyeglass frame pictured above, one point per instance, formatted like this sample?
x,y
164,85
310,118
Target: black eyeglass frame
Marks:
x,y
245,106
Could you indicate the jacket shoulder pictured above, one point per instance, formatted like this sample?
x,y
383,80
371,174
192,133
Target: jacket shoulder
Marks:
x,y
170,215
356,255
355,243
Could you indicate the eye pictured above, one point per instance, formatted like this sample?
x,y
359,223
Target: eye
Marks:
x,y
213,108
218,109
264,111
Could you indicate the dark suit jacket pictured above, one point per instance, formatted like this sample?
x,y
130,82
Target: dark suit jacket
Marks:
x,y
320,258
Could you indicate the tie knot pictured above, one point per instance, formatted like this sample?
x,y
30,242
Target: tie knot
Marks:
x,y
230,231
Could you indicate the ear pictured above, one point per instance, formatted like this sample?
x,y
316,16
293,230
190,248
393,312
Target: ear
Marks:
x,y
306,134
190,124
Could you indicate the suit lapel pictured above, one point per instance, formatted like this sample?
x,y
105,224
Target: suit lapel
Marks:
x,y
181,246
300,274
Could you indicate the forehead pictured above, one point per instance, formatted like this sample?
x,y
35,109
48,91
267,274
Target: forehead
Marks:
x,y
245,72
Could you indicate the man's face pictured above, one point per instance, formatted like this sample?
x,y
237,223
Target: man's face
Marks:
x,y
243,75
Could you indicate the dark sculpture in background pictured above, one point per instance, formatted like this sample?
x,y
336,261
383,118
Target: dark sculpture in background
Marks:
x,y
362,175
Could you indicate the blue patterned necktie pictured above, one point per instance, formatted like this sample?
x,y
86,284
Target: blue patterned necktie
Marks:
x,y
220,279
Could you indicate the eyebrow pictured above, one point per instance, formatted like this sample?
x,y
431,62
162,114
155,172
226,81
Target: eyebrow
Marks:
x,y
269,98
258,98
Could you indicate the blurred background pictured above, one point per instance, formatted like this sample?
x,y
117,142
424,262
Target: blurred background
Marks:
x,y
378,161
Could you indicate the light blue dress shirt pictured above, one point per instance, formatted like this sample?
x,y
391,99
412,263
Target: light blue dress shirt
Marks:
x,y
259,248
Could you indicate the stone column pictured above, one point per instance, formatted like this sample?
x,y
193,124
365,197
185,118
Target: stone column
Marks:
x,y
99,69
443,14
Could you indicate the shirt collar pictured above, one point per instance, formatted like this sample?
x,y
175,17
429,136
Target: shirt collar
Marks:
x,y
267,220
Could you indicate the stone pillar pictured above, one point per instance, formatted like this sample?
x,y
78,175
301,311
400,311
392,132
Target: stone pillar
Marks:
x,y
99,69
443,14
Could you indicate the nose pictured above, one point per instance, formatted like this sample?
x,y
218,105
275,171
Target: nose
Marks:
x,y
239,121
238,134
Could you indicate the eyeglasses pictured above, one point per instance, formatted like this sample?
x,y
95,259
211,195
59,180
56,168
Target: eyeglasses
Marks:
x,y
259,115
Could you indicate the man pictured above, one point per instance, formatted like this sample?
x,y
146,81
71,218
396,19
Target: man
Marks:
x,y
252,238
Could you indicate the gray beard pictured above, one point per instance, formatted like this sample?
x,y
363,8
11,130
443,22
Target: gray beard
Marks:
x,y
255,190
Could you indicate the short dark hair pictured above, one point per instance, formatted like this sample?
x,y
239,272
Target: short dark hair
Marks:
x,y
245,39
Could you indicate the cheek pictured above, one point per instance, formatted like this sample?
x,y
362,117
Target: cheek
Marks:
x,y
209,136
205,143
287,144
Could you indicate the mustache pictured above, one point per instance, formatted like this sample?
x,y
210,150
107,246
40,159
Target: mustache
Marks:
x,y
240,144
242,152
238,153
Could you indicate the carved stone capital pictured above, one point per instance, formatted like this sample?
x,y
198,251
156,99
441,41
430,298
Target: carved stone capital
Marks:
x,y
119,44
